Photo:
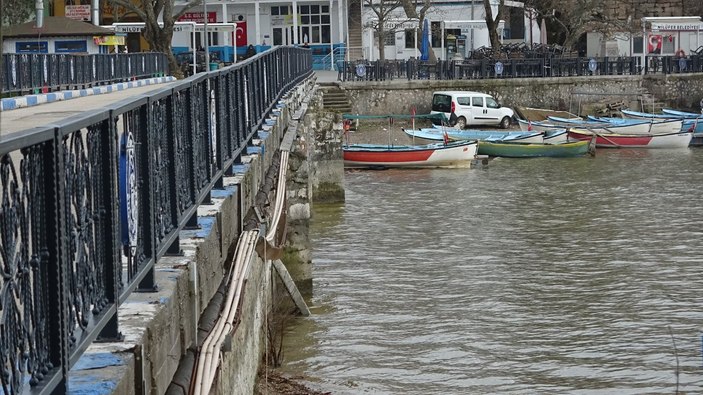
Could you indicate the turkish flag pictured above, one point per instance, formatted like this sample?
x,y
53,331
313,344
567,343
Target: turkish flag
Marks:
x,y
241,34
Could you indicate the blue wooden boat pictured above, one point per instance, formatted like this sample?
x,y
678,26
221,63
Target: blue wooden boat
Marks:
x,y
644,115
682,114
694,123
440,134
622,126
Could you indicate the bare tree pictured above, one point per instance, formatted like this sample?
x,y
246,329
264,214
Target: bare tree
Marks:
x,y
16,11
411,11
386,24
574,18
159,37
492,23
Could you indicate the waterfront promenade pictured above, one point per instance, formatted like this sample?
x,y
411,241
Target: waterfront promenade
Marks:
x,y
121,210
28,117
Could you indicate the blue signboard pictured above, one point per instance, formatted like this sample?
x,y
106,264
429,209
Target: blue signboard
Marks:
x,y
70,46
32,47
592,65
499,68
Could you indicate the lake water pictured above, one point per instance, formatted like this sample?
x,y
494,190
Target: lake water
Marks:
x,y
529,276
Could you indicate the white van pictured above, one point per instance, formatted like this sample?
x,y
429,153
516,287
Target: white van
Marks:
x,y
471,108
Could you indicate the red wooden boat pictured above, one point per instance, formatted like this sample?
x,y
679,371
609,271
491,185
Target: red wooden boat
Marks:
x,y
612,140
452,154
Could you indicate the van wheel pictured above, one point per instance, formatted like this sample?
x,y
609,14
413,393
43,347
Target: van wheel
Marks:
x,y
505,123
460,123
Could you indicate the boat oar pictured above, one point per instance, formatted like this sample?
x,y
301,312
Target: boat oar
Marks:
x,y
592,146
605,138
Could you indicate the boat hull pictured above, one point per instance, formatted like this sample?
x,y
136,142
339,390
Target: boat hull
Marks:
x,y
454,154
520,150
437,134
623,126
605,140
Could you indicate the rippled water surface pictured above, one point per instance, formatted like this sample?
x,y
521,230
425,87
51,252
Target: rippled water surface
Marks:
x,y
537,276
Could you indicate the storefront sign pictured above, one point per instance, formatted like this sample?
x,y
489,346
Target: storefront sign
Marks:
x,y
78,12
197,17
32,47
675,27
71,46
109,40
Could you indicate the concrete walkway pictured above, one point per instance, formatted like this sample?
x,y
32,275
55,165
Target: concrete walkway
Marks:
x,y
27,112
43,113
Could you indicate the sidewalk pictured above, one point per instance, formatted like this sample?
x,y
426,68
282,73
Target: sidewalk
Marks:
x,y
31,116
326,76
33,100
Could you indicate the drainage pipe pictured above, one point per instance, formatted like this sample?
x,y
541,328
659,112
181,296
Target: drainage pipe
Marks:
x,y
208,358
280,197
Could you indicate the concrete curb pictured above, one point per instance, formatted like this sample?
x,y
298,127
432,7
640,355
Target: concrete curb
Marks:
x,y
34,100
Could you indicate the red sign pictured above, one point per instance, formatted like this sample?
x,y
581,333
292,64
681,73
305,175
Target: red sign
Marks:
x,y
78,12
241,34
655,44
197,17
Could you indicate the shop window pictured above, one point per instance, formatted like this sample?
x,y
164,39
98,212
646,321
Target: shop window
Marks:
x,y
637,45
436,29
410,38
315,24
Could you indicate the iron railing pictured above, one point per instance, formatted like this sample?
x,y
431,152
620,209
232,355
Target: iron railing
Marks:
x,y
362,70
90,204
27,73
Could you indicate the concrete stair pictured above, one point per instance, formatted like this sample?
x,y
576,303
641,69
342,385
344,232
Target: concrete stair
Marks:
x,y
354,21
334,98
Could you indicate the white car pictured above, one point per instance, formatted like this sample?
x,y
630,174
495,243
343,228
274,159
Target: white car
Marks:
x,y
471,108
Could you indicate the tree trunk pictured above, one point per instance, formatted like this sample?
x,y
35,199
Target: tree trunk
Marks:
x,y
160,41
382,45
492,24
411,12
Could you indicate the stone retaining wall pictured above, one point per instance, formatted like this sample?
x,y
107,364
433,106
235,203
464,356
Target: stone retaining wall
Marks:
x,y
682,91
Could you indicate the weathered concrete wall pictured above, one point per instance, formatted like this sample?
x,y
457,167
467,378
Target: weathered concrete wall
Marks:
x,y
399,96
316,174
159,328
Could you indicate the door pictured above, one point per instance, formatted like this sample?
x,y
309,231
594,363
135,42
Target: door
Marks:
x,y
493,111
478,110
283,35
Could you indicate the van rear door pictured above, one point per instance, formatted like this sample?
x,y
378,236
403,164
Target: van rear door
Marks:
x,y
441,103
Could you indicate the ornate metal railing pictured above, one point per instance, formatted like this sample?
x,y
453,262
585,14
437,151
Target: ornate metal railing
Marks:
x,y
362,70
27,73
71,251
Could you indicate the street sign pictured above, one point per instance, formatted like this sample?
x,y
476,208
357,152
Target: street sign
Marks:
x,y
499,68
592,65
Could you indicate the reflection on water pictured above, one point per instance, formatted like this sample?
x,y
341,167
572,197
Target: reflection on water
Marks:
x,y
529,276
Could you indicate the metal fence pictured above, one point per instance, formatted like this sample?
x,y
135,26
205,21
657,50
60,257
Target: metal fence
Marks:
x,y
90,204
23,73
362,70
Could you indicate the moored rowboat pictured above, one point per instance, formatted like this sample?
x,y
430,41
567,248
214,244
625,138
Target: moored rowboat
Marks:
x,y
522,150
453,154
607,140
438,134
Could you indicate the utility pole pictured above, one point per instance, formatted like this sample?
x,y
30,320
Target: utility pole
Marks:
x,y
207,47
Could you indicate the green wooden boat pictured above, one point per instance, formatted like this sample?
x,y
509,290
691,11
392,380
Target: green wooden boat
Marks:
x,y
536,150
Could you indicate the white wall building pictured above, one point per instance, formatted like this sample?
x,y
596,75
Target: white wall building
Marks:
x,y
663,36
327,24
